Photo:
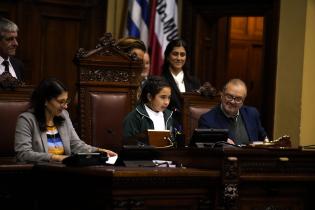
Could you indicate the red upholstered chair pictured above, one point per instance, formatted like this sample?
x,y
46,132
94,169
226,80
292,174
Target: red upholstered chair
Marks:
x,y
194,105
108,83
12,103
108,112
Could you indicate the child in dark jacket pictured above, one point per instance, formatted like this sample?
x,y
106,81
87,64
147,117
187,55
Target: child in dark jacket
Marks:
x,y
151,112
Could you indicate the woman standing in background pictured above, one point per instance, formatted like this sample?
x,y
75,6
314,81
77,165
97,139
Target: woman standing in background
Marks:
x,y
176,75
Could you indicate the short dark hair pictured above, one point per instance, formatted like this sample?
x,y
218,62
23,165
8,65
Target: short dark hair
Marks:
x,y
46,90
153,85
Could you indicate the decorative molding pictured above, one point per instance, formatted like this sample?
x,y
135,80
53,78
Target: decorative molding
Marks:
x,y
106,46
230,180
254,166
230,169
8,82
105,68
230,194
128,204
106,75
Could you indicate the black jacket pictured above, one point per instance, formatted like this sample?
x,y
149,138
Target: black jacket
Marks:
x,y
175,105
18,67
138,122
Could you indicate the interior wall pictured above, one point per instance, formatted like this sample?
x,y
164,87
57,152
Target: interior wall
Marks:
x,y
293,107
116,18
308,96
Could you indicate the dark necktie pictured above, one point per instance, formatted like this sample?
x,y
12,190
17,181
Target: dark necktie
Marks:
x,y
6,66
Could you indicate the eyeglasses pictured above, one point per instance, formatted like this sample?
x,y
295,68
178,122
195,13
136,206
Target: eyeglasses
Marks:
x,y
230,98
64,102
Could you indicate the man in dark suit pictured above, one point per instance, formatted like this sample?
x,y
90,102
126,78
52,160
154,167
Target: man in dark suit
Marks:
x,y
243,122
8,46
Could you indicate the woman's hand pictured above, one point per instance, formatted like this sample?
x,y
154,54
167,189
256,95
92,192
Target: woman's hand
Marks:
x,y
58,158
108,152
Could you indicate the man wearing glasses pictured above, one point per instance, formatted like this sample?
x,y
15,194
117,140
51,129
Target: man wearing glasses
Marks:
x,y
8,46
243,122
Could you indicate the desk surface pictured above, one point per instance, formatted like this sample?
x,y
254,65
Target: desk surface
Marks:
x,y
209,179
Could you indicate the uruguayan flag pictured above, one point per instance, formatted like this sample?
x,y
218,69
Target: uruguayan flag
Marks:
x,y
138,20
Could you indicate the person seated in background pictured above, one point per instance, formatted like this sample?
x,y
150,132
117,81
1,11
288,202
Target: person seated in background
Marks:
x,y
45,132
146,66
176,75
243,122
132,45
150,113
8,46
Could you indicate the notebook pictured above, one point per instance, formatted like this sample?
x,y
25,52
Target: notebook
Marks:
x,y
159,138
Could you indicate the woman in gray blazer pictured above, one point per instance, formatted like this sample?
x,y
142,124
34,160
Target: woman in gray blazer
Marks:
x,y
45,132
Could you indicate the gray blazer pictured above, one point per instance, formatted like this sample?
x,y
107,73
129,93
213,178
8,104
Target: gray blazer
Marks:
x,y
31,144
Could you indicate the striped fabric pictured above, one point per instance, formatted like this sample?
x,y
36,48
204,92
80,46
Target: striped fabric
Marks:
x,y
155,27
138,19
163,29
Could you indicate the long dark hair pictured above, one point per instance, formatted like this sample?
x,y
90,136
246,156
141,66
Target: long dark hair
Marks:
x,y
169,48
153,85
45,91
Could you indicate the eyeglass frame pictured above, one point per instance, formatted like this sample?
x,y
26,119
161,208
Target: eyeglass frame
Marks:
x,y
236,99
64,103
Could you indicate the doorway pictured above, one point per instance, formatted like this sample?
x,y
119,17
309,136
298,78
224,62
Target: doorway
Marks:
x,y
235,39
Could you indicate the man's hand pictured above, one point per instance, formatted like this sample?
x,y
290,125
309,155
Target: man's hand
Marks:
x,y
230,141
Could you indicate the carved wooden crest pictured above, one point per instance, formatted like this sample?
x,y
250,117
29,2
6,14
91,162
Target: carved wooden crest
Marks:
x,y
108,63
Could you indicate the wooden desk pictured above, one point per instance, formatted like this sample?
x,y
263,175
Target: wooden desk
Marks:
x,y
251,178
226,178
128,188
15,184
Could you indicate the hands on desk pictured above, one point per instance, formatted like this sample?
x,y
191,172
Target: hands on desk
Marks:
x,y
108,152
230,141
58,158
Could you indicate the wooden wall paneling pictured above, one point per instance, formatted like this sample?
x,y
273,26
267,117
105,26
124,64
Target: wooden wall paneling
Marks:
x,y
255,82
51,35
210,47
8,9
246,55
203,51
268,25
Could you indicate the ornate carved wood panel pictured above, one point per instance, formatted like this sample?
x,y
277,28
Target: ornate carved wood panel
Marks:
x,y
108,80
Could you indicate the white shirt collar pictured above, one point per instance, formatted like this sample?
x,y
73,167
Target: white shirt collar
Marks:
x,y
157,118
179,79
